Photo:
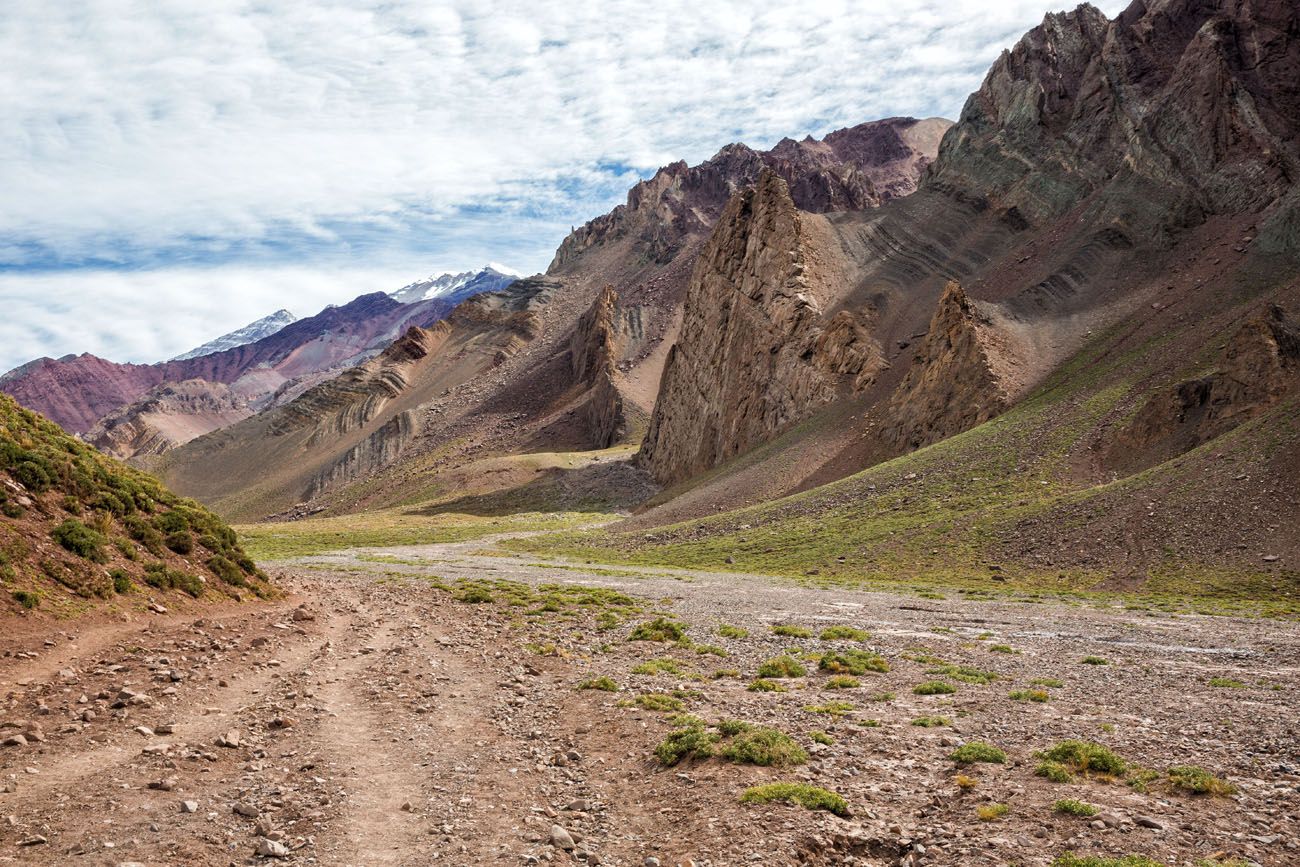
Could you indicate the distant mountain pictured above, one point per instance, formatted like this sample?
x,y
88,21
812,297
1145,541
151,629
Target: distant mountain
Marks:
x,y
130,409
251,333
456,287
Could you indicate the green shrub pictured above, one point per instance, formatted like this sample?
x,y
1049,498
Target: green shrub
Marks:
x,y
1071,807
693,741
978,751
728,631
227,571
798,794
712,649
964,673
1069,859
820,737
831,708
602,683
145,533
1198,781
842,681
181,542
1095,660
1054,771
658,701
659,629
81,540
931,722
659,666
164,578
790,631
1047,681
1036,695
844,633
762,684
991,812
934,687
765,747
1226,683
856,662
781,666
121,580
1002,648
28,599
1082,757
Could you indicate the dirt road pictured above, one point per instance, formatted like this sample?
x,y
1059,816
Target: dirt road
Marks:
x,y
399,717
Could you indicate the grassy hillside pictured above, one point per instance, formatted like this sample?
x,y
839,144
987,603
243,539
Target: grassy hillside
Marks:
x,y
1023,503
77,527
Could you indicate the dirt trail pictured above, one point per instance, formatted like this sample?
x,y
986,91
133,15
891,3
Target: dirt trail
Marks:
x,y
391,722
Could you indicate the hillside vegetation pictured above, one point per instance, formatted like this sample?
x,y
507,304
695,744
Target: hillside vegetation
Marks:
x,y
78,527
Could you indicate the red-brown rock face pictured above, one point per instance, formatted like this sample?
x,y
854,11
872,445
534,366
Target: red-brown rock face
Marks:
x,y
951,385
850,169
753,357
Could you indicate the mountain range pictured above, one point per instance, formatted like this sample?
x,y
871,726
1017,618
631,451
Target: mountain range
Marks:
x,y
1076,306
131,410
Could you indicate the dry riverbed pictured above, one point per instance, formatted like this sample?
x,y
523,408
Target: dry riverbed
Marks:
x,y
422,705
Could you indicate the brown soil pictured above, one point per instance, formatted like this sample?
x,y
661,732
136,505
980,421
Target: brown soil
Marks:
x,y
400,726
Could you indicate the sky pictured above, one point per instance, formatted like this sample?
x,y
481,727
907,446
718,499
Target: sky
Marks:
x,y
173,169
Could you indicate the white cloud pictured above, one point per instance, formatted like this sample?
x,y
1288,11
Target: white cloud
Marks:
x,y
158,132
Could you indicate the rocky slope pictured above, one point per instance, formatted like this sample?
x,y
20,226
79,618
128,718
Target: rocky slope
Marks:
x,y
571,360
951,385
1093,151
750,358
849,169
251,333
169,415
81,530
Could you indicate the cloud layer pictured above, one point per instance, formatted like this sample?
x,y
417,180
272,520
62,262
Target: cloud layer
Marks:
x,y
156,144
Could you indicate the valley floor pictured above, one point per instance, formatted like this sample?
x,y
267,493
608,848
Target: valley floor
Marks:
x,y
422,706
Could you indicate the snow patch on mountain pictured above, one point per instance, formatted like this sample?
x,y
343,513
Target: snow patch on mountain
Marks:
x,y
251,333
457,287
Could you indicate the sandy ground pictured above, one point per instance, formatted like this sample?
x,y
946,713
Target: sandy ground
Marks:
x,y
384,722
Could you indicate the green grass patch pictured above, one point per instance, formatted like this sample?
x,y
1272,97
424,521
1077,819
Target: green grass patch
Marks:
x,y
1069,859
934,687
606,684
844,633
1035,695
726,630
1198,781
762,684
796,794
831,708
1226,683
842,681
1085,757
660,629
976,752
1071,807
788,631
991,812
855,662
781,666
931,722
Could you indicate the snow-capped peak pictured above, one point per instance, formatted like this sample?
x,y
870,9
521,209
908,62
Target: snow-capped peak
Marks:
x,y
251,333
456,287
